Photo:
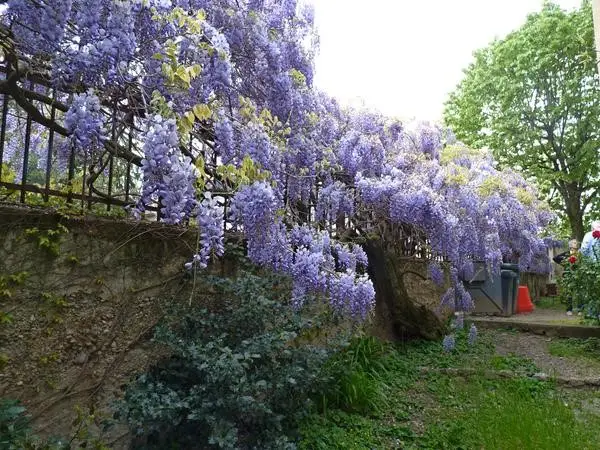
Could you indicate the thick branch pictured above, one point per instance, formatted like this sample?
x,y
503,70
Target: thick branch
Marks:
x,y
35,96
9,87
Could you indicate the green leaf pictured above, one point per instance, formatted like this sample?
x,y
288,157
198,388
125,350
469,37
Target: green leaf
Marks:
x,y
189,116
195,70
183,75
202,112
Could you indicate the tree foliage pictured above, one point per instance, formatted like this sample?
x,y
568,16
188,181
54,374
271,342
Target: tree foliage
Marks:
x,y
533,98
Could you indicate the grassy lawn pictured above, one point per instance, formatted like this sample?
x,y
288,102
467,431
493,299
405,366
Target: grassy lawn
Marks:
x,y
550,303
414,409
576,348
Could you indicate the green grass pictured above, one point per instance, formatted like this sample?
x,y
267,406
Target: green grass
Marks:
x,y
437,411
550,303
576,348
513,363
578,322
344,431
509,414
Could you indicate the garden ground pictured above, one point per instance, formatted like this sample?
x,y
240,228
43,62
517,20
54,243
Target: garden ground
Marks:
x,y
497,394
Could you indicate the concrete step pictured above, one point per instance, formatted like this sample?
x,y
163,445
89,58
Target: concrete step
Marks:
x,y
530,324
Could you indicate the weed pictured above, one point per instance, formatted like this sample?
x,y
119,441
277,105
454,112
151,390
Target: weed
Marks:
x,y
72,259
5,318
342,430
8,281
48,240
576,348
54,305
16,433
550,303
513,363
49,359
54,301
356,378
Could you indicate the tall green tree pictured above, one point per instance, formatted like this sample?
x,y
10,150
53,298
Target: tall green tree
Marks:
x,y
533,98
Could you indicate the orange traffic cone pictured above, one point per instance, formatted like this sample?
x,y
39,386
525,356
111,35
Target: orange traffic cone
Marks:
x,y
524,304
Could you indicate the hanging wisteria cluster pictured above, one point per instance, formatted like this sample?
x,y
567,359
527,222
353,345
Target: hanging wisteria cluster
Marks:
x,y
85,123
168,177
236,76
316,263
211,225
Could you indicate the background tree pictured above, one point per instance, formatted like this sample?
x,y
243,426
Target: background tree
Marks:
x,y
533,99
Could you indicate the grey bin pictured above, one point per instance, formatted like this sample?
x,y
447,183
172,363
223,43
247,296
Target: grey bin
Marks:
x,y
495,294
510,286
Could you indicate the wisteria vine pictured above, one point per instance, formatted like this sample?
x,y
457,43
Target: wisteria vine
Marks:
x,y
237,77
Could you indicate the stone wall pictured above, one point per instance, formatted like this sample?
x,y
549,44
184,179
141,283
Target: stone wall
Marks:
x,y
80,298
78,307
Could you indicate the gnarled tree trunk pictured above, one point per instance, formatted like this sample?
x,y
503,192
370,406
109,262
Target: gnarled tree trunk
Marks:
x,y
397,309
573,208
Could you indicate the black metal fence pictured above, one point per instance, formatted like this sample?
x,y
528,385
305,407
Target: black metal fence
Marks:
x,y
38,166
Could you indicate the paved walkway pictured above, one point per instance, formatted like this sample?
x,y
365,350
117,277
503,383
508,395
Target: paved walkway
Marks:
x,y
550,322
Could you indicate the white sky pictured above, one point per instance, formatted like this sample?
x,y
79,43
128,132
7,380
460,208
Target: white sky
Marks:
x,y
403,57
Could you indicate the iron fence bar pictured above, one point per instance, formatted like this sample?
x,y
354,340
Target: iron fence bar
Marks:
x,y
158,212
90,193
110,180
50,148
71,174
128,176
83,180
224,215
74,196
113,136
3,130
26,157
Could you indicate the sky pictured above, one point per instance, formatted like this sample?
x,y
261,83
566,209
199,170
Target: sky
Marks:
x,y
403,57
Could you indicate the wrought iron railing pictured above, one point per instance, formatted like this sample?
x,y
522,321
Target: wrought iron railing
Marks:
x,y
38,167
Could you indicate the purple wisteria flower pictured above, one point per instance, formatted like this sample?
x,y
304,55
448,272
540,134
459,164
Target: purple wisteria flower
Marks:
x,y
472,334
84,121
251,66
168,176
449,343
211,224
436,273
459,324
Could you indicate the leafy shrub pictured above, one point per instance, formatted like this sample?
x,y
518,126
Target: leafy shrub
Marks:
x,y
580,285
14,424
16,433
237,377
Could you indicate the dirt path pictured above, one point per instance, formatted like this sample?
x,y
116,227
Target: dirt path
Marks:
x,y
536,348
